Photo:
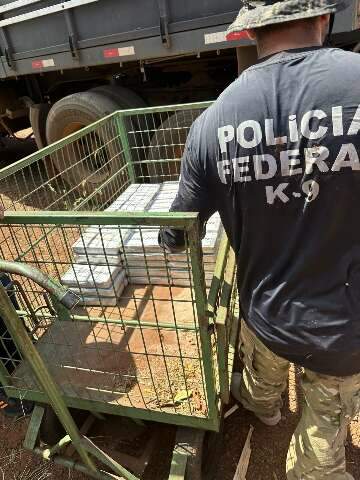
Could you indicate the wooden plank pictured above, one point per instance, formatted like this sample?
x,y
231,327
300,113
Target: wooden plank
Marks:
x,y
178,466
244,461
185,445
34,427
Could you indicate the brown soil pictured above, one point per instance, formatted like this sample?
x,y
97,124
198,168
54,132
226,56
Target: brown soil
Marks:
x,y
18,464
269,447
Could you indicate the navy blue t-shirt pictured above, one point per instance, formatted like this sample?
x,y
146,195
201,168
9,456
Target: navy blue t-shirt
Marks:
x,y
278,156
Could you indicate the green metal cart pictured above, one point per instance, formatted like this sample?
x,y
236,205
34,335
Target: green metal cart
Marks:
x,y
159,350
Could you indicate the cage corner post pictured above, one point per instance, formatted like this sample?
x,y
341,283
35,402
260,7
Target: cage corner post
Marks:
x,y
196,256
124,140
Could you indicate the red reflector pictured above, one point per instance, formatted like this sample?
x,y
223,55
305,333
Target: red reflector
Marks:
x,y
111,52
237,36
37,64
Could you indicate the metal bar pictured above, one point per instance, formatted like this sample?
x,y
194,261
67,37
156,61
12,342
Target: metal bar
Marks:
x,y
223,309
5,378
223,316
62,313
29,352
218,274
84,429
45,11
235,324
17,4
164,22
125,323
61,293
74,465
33,430
30,313
193,421
73,41
151,219
106,459
120,123
7,49
62,443
166,108
201,304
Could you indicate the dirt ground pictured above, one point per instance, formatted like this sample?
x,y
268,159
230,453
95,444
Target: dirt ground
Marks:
x,y
269,445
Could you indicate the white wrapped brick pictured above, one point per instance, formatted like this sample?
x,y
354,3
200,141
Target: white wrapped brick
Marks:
x,y
99,240
110,291
91,276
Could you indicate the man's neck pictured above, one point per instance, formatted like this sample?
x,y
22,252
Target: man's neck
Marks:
x,y
265,50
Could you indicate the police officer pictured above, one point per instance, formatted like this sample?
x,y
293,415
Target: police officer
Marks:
x,y
278,156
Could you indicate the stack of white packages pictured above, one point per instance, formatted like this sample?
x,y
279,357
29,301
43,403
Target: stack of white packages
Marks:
x,y
107,258
146,261
102,245
97,274
97,285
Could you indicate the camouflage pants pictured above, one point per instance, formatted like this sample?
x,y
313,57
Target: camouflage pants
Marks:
x,y
317,448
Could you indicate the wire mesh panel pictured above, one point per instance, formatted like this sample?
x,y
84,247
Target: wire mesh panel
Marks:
x,y
157,140
139,339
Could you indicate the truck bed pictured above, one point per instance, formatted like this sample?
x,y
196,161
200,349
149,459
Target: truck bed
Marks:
x,y
48,35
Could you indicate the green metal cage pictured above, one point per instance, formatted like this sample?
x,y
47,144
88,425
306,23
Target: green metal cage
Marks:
x,y
153,336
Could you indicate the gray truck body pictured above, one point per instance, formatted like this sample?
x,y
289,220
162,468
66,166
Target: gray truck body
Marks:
x,y
43,36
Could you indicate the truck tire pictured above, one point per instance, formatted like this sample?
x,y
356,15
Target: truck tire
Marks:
x,y
168,143
38,115
70,114
139,125
124,97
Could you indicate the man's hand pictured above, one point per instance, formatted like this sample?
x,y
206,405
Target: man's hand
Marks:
x,y
172,240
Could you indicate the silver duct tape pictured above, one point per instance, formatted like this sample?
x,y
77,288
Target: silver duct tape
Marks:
x,y
116,286
90,276
98,259
103,301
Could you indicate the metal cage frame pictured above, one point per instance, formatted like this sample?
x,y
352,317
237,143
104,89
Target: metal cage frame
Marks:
x,y
217,313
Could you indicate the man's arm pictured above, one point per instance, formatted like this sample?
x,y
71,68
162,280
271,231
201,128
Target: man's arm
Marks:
x,y
194,193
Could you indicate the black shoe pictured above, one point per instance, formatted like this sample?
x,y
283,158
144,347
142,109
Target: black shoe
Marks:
x,y
13,407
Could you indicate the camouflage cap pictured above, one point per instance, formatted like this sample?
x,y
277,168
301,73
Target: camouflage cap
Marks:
x,y
258,13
